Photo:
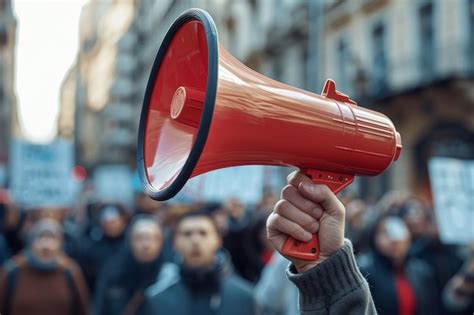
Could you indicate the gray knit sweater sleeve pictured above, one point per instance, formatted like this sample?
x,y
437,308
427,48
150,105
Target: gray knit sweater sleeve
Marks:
x,y
335,286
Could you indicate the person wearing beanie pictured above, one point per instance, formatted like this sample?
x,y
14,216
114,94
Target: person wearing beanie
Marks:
x,y
103,242
121,286
42,279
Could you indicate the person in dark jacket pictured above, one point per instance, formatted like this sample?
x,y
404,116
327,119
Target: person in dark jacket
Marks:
x,y
458,295
444,259
42,280
204,282
121,285
399,284
11,222
104,241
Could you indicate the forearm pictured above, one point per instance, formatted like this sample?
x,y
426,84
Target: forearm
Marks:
x,y
335,286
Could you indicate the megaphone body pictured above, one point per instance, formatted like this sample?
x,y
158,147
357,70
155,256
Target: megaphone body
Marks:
x,y
204,110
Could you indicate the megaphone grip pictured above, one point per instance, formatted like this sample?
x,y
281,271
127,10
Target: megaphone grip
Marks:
x,y
310,250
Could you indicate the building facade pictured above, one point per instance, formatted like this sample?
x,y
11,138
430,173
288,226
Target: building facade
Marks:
x,y
8,113
102,86
412,60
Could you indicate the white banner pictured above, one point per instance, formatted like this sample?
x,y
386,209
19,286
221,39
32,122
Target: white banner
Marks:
x,y
40,175
245,183
452,184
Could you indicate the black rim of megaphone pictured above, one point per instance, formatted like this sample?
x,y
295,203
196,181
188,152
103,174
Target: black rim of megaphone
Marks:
x,y
206,118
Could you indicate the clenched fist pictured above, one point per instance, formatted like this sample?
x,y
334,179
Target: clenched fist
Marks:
x,y
306,208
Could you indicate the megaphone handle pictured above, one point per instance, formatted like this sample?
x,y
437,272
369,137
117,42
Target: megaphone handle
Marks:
x,y
310,250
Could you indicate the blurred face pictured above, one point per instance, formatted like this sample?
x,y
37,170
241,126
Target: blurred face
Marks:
x,y
146,241
113,227
46,247
197,241
393,239
416,218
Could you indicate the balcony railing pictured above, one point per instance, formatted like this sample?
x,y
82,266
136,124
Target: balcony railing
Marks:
x,y
451,61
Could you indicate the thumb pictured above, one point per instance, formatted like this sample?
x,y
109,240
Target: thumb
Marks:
x,y
321,194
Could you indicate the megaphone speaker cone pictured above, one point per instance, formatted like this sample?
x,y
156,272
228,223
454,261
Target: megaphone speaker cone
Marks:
x,y
178,104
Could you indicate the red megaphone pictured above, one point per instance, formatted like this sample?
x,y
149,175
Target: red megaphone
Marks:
x,y
204,110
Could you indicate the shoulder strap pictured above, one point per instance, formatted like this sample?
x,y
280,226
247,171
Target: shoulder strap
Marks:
x,y
72,288
10,287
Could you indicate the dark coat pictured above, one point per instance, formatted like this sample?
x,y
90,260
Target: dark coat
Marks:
x,y
380,274
122,282
96,255
215,291
443,259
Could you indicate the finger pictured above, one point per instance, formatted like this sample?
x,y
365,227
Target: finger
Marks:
x,y
280,224
296,178
324,196
290,212
293,195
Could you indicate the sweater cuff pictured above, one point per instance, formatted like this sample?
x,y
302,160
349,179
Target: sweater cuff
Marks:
x,y
328,281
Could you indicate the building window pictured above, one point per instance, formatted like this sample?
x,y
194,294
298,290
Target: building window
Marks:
x,y
427,49
379,70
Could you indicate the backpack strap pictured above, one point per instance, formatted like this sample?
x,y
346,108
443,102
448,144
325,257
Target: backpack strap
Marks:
x,y
73,289
12,276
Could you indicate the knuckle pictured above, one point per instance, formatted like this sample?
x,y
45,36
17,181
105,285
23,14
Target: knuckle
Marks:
x,y
287,191
281,206
271,220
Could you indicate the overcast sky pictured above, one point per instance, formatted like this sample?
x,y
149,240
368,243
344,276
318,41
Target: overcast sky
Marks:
x,y
47,42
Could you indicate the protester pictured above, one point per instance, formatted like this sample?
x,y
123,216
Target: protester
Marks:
x,y
458,295
332,284
399,284
257,250
105,240
11,222
234,225
42,280
121,284
204,282
444,260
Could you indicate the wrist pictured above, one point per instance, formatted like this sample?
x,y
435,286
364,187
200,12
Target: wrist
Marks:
x,y
302,266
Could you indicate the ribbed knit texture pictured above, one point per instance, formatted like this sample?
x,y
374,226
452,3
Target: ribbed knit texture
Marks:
x,y
333,286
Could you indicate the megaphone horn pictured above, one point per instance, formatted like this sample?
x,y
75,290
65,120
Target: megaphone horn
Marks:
x,y
204,110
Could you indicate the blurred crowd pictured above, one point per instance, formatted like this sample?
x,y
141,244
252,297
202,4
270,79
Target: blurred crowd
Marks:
x,y
214,258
